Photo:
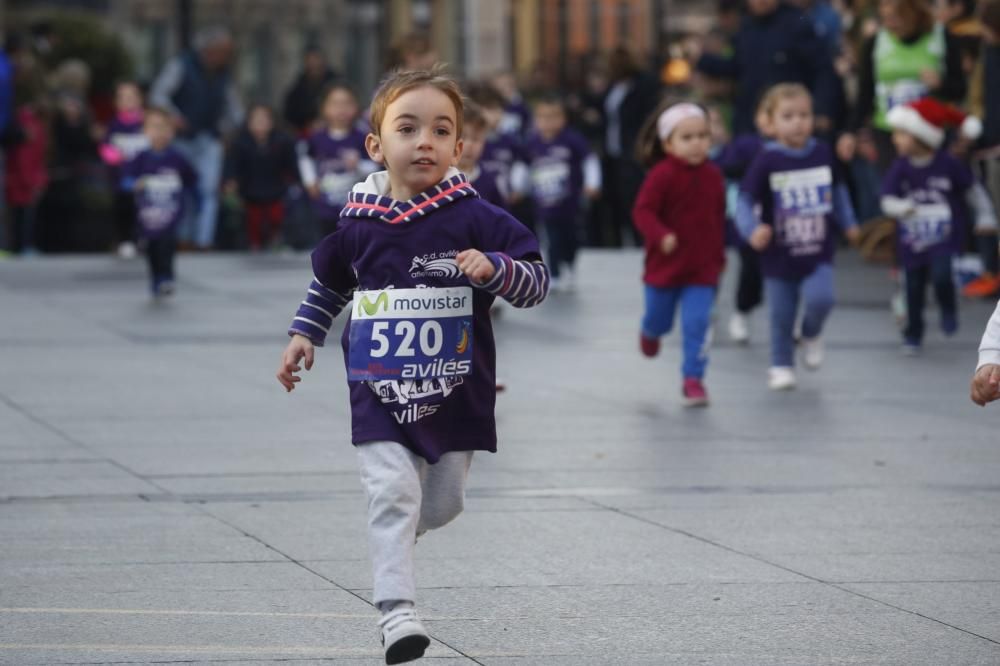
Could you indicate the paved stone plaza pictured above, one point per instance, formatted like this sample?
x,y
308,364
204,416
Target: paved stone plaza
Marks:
x,y
162,500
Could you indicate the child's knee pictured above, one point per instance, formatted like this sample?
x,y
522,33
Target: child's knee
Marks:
x,y
435,515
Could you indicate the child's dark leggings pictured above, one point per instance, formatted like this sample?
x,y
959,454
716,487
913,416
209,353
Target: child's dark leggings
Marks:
x,y
124,212
22,238
750,287
160,253
563,243
937,271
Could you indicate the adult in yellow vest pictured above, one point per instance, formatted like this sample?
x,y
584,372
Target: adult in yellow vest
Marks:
x,y
911,56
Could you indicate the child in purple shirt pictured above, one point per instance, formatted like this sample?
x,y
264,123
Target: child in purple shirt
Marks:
x,y
790,199
563,171
488,184
423,259
928,192
333,158
160,177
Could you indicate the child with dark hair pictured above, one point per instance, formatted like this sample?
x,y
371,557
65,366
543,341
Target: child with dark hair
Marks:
x,y
260,166
124,140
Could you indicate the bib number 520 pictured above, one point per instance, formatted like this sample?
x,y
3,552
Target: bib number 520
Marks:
x,y
429,336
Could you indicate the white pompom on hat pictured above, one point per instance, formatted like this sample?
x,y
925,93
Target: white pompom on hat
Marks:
x,y
927,119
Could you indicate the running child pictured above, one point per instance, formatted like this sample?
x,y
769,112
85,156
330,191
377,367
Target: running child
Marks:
x,y
563,171
680,212
333,158
928,191
503,152
488,184
423,259
123,141
801,197
160,177
260,167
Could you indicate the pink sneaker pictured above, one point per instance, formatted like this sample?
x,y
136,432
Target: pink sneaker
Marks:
x,y
649,347
694,393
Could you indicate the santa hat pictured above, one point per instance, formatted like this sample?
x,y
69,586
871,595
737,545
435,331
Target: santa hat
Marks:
x,y
927,119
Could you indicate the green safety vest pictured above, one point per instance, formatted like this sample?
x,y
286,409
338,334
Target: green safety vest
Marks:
x,y
897,69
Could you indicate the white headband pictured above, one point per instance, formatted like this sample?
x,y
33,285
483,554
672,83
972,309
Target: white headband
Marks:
x,y
675,115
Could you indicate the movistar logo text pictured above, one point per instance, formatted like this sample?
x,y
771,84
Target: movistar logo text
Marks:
x,y
382,300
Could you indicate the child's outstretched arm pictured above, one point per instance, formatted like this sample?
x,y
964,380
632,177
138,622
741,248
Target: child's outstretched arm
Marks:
x,y
521,283
986,382
843,210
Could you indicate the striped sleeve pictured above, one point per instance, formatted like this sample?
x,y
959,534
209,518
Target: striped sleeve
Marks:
x,y
316,313
523,284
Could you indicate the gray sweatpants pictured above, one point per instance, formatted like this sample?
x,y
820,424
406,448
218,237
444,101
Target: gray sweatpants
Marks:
x,y
406,497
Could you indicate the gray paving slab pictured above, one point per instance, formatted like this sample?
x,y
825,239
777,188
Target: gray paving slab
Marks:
x,y
166,501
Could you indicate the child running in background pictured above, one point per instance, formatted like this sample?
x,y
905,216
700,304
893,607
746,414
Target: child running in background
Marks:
x,y
122,142
160,177
680,211
333,158
423,259
260,166
734,160
800,197
25,176
563,172
927,191
503,152
487,183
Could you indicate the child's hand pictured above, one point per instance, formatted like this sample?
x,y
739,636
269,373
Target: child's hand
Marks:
x,y
592,193
299,347
313,190
853,235
668,244
476,265
931,79
985,384
229,187
761,237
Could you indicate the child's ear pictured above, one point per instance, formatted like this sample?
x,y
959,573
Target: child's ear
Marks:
x,y
374,147
458,153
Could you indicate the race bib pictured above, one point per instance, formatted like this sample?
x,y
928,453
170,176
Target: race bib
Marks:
x,y
336,187
903,92
550,182
411,334
802,200
929,225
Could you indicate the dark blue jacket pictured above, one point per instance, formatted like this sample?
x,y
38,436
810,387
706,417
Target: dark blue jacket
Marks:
x,y
201,97
781,47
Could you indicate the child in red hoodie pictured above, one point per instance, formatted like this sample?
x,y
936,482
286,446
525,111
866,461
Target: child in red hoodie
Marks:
x,y
680,212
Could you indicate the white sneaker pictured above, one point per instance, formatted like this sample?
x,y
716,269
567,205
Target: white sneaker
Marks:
x,y
781,378
739,328
812,352
127,250
404,638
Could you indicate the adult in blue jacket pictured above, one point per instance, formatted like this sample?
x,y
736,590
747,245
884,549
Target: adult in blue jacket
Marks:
x,y
776,43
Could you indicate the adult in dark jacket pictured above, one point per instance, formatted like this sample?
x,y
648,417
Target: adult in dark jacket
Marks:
x,y
302,101
631,97
199,92
776,43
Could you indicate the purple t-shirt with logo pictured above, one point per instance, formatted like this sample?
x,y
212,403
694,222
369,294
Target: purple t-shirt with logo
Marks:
x,y
334,178
160,180
937,225
384,245
800,194
556,169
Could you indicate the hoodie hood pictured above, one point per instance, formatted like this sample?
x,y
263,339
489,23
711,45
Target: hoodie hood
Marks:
x,y
370,199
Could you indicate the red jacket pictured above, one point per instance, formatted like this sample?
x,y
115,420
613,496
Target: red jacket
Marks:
x,y
26,174
689,201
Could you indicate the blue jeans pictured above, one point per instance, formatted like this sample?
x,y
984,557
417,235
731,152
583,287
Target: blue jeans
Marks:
x,y
696,303
563,243
938,272
204,152
816,292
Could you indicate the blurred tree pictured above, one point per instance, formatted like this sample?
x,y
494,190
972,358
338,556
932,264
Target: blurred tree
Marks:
x,y
86,39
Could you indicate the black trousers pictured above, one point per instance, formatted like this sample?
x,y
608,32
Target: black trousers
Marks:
x,y
938,273
750,285
124,211
160,253
563,243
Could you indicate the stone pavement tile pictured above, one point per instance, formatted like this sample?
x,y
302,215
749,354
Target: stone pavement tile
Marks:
x,y
973,606
865,636
119,532
263,486
22,435
888,567
72,477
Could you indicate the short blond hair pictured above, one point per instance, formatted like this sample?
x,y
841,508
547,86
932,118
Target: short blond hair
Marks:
x,y
781,92
400,82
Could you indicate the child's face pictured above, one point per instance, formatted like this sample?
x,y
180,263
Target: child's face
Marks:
x,y
690,141
417,141
159,130
908,145
473,142
549,120
493,114
128,98
792,121
717,128
260,123
761,7
339,109
990,36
